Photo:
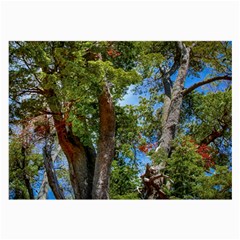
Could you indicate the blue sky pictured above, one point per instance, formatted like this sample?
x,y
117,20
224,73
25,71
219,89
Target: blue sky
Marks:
x,y
133,99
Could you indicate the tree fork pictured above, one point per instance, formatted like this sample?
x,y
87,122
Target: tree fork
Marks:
x,y
81,179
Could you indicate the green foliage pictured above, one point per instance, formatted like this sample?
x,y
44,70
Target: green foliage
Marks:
x,y
127,132
214,55
209,114
124,181
190,179
217,185
23,163
185,167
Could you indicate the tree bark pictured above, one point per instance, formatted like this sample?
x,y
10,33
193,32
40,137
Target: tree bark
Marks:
x,y
51,174
170,126
45,184
42,195
167,100
106,145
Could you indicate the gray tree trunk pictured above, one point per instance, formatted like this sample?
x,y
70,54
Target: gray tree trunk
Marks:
x,y
51,174
42,195
174,109
154,177
45,185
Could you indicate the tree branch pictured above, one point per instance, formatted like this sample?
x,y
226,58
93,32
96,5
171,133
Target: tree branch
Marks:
x,y
29,91
214,135
27,65
199,84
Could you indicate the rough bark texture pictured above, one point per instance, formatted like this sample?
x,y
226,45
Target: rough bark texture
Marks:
x,y
167,100
154,177
106,145
168,85
169,129
153,182
42,195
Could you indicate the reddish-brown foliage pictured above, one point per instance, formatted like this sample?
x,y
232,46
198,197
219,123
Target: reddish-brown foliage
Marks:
x,y
113,53
147,147
206,152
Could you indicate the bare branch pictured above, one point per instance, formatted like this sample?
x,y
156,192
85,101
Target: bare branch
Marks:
x,y
29,91
199,84
27,65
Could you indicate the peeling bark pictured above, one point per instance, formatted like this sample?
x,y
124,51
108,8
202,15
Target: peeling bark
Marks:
x,y
106,145
153,183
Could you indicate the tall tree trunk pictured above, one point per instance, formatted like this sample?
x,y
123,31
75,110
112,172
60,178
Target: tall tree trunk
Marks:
x,y
42,195
50,177
106,145
51,174
45,183
167,99
44,186
154,177
172,120
28,185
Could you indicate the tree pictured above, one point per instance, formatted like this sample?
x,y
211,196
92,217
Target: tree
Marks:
x,y
184,60
71,82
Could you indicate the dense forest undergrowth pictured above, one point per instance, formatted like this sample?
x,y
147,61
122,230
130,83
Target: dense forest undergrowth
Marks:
x,y
120,120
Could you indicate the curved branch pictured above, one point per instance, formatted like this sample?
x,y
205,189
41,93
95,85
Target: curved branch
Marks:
x,y
199,84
